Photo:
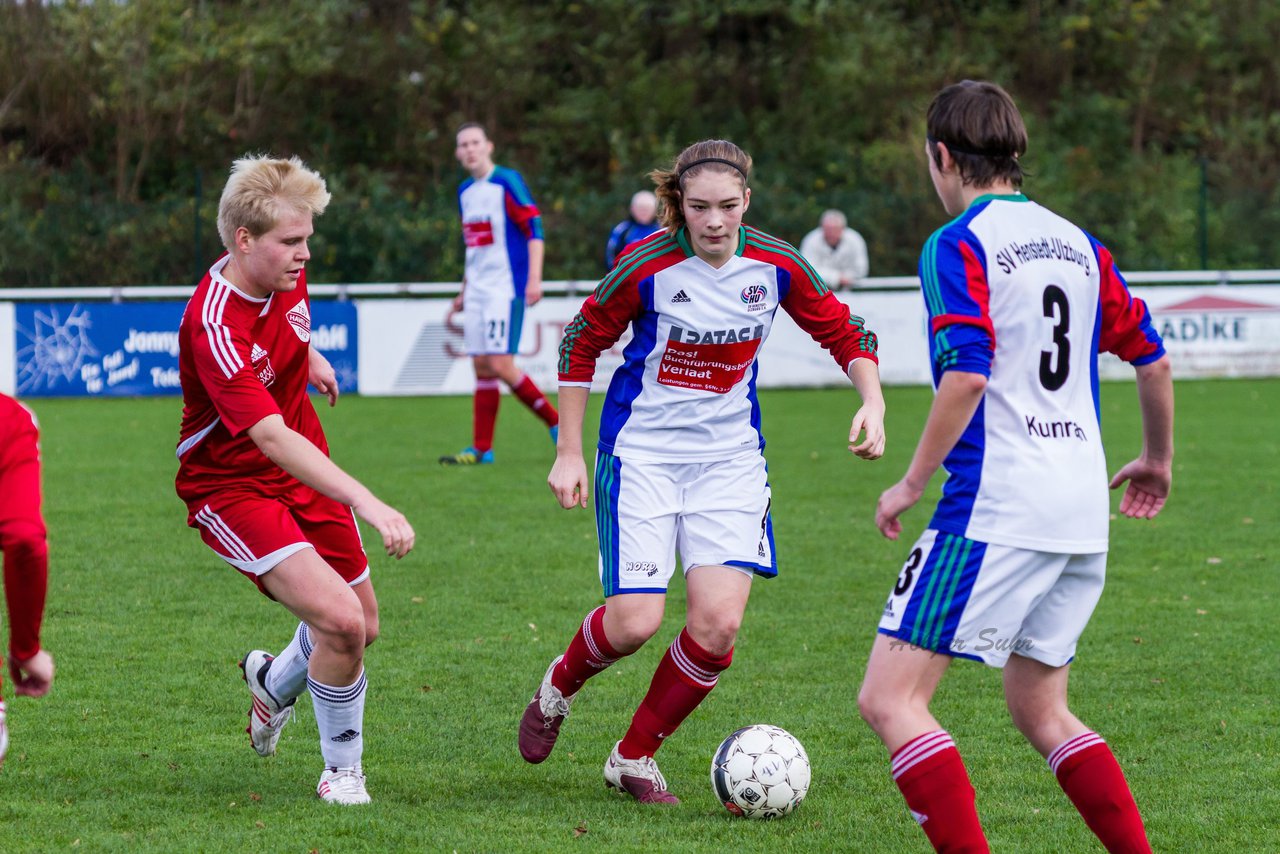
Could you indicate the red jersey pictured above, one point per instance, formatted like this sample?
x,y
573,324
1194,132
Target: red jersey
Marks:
x,y
19,436
240,360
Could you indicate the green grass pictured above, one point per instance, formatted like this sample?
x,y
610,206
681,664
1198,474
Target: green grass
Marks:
x,y
140,746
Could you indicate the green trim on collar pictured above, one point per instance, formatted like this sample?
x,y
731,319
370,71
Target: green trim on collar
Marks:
x,y
999,197
682,237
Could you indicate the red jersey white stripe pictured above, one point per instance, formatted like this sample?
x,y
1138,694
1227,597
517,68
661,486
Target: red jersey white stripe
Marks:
x,y
240,360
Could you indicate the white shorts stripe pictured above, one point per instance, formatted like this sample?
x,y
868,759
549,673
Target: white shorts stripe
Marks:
x,y
359,536
919,750
191,441
223,534
1070,748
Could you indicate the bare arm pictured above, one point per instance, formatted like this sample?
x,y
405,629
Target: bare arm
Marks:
x,y
321,375
865,375
297,456
957,399
533,287
457,301
1151,474
568,478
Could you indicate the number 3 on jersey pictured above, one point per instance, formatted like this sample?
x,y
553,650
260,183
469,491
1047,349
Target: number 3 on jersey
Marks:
x,y
1055,363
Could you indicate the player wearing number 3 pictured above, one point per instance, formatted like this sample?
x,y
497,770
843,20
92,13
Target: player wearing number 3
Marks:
x,y
679,464
1020,303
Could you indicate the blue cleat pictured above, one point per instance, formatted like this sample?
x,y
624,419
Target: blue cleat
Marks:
x,y
468,457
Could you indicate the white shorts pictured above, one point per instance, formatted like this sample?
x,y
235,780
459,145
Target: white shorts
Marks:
x,y
492,326
716,513
976,600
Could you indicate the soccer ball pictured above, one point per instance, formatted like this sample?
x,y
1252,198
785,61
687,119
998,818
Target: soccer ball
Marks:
x,y
760,771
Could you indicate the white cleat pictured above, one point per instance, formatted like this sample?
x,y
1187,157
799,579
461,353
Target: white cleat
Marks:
x,y
639,778
343,786
4,734
266,716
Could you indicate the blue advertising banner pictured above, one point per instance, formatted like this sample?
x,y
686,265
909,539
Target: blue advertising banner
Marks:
x,y
89,349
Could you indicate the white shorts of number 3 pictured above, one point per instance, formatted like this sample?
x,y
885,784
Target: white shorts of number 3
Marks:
x,y
987,602
714,513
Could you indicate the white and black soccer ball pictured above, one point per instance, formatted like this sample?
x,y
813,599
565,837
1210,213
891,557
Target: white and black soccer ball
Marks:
x,y
760,771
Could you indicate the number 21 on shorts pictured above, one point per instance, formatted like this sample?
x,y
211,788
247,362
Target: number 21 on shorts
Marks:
x,y
495,332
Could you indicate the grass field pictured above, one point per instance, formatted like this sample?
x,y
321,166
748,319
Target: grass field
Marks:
x,y
140,746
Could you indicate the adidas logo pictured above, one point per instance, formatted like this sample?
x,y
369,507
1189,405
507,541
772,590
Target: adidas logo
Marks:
x,y
349,735
681,296
257,354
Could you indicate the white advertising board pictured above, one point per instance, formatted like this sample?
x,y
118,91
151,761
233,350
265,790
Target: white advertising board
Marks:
x,y
411,347
1226,331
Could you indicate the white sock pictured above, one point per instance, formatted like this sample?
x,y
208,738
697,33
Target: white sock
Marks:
x,y
287,677
340,717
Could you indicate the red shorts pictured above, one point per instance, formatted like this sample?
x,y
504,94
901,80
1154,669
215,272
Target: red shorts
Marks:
x,y
254,533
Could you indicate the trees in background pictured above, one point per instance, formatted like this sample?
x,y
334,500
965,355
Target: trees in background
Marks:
x,y
118,120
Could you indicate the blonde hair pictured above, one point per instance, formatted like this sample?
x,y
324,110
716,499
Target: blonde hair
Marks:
x,y
717,155
261,188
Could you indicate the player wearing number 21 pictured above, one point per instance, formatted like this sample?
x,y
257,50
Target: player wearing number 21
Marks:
x,y
1020,303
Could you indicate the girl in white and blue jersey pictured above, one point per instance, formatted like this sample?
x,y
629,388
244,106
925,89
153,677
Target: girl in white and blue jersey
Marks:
x,y
1020,304
502,230
679,464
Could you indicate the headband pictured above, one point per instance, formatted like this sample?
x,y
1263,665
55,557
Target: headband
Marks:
x,y
956,149
686,168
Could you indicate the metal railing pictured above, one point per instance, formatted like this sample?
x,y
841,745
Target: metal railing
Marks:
x,y
571,288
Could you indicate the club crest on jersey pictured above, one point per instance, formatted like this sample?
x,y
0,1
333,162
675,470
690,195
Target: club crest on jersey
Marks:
x,y
262,366
754,296
299,318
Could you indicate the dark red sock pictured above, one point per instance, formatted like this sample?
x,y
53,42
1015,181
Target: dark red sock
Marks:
x,y
531,396
589,653
485,411
1090,775
684,678
929,771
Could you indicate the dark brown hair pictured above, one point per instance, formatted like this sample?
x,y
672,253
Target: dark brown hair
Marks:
x,y
982,128
469,126
717,155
